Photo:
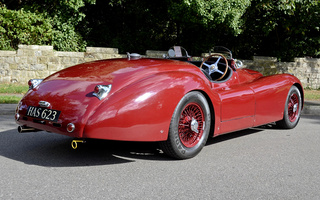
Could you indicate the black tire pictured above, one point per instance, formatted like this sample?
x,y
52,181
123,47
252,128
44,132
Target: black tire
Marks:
x,y
292,109
189,127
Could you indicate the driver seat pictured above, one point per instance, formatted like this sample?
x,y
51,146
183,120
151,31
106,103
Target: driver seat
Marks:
x,y
178,53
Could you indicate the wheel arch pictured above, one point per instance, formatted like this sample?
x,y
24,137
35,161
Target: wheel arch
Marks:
x,y
300,88
212,111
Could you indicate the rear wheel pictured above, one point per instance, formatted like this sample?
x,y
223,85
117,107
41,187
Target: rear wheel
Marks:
x,y
189,127
292,110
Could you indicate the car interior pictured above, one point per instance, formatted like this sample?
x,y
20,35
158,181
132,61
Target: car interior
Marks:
x,y
217,67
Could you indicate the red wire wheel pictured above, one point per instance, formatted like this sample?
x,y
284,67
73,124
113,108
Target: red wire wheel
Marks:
x,y
293,105
191,125
292,110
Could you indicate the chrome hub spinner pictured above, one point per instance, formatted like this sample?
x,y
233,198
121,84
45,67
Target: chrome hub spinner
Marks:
x,y
194,125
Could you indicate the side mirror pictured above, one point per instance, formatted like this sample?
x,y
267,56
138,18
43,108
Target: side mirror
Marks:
x,y
239,64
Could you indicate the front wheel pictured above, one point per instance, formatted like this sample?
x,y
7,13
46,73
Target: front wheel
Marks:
x,y
292,110
189,127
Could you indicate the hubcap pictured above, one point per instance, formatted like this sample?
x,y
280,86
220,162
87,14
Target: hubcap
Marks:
x,y
293,107
191,125
194,125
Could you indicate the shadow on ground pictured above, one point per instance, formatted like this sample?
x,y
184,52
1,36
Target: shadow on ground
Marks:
x,y
53,150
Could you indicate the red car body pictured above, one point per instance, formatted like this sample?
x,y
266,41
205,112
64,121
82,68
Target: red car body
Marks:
x,y
144,95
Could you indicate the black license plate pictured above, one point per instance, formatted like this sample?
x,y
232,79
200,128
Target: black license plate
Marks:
x,y
43,113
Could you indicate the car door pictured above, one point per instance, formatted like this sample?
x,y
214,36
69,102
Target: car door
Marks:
x,y
237,104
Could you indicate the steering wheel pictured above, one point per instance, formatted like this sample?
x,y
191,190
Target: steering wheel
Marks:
x,y
217,67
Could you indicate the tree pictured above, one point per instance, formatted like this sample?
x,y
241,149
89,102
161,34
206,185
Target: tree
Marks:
x,y
283,28
137,25
64,16
24,27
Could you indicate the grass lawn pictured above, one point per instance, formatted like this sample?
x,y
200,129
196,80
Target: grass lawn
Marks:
x,y
312,95
13,88
9,99
12,93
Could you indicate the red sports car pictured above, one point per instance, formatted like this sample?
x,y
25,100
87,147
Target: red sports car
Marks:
x,y
176,101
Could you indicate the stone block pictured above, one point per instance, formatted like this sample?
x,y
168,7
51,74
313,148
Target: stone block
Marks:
x,y
38,67
118,56
42,60
37,53
54,67
88,55
3,72
41,74
13,66
54,60
102,50
32,60
89,59
47,53
10,60
74,61
23,66
5,79
65,60
28,52
8,53
264,59
155,54
4,66
69,54
22,76
81,60
46,48
21,59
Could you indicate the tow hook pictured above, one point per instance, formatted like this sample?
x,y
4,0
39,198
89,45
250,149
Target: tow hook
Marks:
x,y
74,143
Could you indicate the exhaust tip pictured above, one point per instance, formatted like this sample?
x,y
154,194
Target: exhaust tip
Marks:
x,y
23,129
20,129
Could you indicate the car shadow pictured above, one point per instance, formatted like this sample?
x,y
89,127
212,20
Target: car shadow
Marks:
x,y
232,135
53,150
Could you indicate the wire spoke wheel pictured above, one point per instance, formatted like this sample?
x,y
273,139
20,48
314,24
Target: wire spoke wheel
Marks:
x,y
191,125
292,110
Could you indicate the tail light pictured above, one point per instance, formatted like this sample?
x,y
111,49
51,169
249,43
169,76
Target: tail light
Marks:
x,y
101,91
70,127
34,83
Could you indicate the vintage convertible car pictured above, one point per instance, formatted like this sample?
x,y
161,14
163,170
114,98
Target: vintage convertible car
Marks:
x,y
176,101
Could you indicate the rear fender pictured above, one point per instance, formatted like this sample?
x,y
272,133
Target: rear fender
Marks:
x,y
142,111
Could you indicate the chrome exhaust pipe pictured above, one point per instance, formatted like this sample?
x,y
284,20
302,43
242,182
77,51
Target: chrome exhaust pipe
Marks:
x,y
24,129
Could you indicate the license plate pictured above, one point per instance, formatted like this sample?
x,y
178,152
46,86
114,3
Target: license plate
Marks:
x,y
43,113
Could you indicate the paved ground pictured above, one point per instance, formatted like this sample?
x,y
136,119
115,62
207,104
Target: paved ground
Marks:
x,y
260,163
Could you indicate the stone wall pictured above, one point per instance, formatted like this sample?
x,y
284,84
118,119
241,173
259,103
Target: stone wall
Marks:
x,y
306,69
33,61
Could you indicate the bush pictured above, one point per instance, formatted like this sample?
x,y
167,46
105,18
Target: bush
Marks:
x,y
23,27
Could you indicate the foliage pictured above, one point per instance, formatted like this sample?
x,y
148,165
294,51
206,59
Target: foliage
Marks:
x,y
210,13
282,28
50,22
133,25
23,26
